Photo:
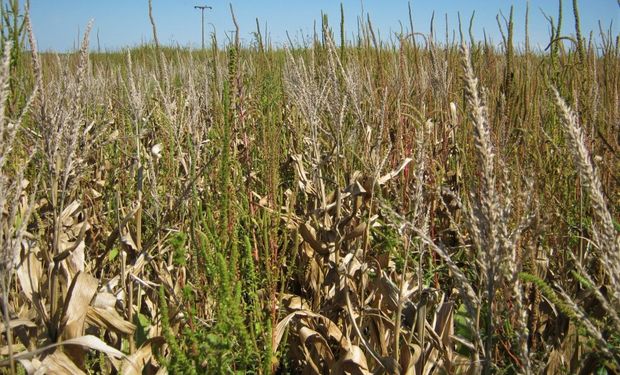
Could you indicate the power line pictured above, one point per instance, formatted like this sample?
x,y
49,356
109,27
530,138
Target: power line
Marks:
x,y
202,11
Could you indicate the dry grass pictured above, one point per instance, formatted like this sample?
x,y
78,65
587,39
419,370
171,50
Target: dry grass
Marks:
x,y
362,209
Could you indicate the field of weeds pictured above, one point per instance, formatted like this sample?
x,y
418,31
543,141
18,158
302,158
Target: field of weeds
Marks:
x,y
417,207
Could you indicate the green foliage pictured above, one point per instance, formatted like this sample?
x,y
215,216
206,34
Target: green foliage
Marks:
x,y
177,242
12,29
463,329
178,363
548,292
227,346
142,323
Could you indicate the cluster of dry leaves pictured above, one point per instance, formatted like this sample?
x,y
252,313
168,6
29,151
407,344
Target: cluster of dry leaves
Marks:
x,y
375,199
352,293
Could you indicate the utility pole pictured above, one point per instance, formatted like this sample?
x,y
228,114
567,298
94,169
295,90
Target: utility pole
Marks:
x,y
202,10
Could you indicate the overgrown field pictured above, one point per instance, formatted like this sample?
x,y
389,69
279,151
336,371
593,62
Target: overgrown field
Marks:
x,y
417,207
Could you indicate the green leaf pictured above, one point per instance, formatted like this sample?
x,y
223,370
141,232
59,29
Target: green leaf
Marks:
x,y
462,327
113,254
143,323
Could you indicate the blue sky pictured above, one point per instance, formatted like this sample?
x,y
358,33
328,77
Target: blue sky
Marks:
x,y
123,23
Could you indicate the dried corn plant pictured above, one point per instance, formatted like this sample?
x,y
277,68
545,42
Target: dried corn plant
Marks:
x,y
344,280
58,295
16,209
314,209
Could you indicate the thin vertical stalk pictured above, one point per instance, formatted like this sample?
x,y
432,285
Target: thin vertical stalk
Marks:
x,y
342,35
472,41
7,319
558,29
580,50
139,183
152,19
527,29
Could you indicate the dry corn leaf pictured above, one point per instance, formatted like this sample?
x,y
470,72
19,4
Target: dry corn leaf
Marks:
x,y
359,230
87,341
354,362
127,239
94,194
441,330
556,363
388,290
16,347
327,325
355,189
299,168
261,201
294,302
94,343
464,365
109,319
59,364
134,269
17,323
314,277
81,292
309,235
79,296
408,360
31,366
67,216
71,240
378,334
76,260
281,328
321,347
444,324
135,363
29,271
104,300
383,179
